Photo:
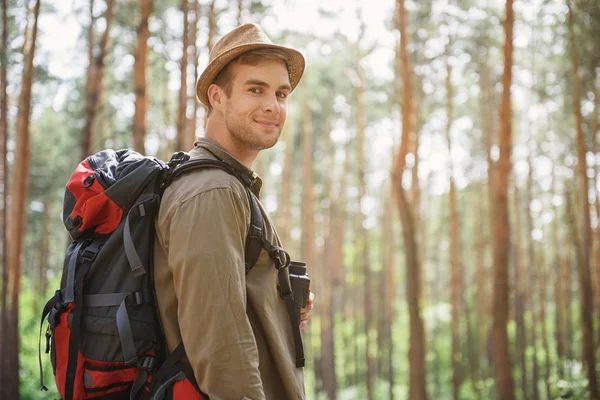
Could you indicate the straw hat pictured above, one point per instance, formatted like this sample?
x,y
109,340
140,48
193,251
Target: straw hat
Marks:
x,y
241,40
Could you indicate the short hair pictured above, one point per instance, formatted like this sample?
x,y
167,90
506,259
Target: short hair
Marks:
x,y
225,77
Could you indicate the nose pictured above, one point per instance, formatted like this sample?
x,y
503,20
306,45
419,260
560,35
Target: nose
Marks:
x,y
271,104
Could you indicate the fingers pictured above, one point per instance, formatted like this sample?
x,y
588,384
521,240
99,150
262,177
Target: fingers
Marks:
x,y
304,316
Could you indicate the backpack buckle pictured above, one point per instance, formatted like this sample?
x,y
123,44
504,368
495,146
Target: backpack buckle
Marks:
x,y
90,252
256,232
146,363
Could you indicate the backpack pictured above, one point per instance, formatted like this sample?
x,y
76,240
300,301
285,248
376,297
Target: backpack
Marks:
x,y
104,333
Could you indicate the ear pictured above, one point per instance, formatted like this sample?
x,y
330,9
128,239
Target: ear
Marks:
x,y
216,96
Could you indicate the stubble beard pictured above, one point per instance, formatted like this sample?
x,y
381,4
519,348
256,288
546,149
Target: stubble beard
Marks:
x,y
243,134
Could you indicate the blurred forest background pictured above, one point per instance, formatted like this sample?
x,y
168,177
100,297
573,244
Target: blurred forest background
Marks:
x,y
437,173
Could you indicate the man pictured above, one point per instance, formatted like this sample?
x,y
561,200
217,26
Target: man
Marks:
x,y
235,328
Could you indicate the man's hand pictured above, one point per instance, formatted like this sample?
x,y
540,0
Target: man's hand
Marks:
x,y
306,310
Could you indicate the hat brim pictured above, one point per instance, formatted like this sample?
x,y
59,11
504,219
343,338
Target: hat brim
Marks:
x,y
295,59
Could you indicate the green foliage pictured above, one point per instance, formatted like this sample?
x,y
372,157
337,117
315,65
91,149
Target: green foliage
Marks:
x,y
571,386
30,309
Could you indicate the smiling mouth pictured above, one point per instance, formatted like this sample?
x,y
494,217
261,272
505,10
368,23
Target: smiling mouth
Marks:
x,y
267,124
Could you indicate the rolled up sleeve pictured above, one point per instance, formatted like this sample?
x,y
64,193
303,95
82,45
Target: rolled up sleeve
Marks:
x,y
206,257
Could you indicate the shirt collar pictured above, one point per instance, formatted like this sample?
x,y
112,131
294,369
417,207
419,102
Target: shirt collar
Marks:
x,y
223,155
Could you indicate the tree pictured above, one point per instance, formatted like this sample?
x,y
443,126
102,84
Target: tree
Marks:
x,y
520,295
585,281
411,249
363,240
182,120
4,182
195,55
455,251
501,225
16,223
95,77
139,77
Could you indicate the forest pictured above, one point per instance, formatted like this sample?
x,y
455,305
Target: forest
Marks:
x,y
445,157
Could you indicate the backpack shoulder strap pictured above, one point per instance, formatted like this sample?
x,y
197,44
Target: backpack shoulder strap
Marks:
x,y
254,239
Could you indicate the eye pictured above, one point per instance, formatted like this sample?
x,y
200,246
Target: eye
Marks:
x,y
255,90
282,95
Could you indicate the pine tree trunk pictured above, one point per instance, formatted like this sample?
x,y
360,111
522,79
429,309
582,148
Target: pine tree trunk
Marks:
x,y
95,76
181,143
484,273
43,260
363,241
596,248
455,251
240,11
389,289
4,179
585,281
212,21
195,54
328,256
166,144
544,280
520,295
482,310
417,384
285,213
19,194
308,227
501,226
559,296
88,81
340,284
534,280
212,25
307,191
139,77
572,247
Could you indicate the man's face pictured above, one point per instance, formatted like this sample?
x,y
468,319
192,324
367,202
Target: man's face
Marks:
x,y
256,110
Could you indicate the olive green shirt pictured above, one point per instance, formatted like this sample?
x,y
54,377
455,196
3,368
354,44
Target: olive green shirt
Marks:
x,y
235,328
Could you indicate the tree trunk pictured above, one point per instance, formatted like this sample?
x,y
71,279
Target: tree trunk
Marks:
x,y
597,202
455,251
40,277
484,273
166,145
534,280
520,296
307,192
481,288
139,77
585,281
561,308
544,280
212,25
501,226
308,226
340,284
325,288
417,384
212,20
240,11
285,213
363,240
4,179
389,294
572,244
195,54
181,143
95,76
19,193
